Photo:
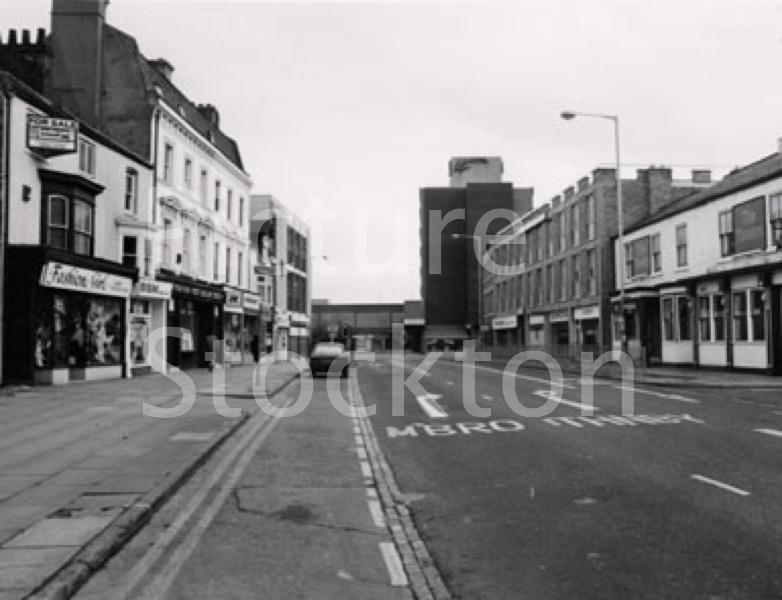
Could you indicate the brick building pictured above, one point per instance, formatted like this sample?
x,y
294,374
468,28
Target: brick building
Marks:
x,y
449,266
558,295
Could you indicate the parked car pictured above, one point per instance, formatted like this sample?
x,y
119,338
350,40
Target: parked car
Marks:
x,y
324,354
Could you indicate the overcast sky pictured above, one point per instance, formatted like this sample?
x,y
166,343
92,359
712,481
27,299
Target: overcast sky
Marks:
x,y
361,104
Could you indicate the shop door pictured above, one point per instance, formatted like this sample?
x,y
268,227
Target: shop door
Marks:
x,y
651,330
776,330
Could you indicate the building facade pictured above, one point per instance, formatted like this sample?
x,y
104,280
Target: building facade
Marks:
x,y
558,295
283,268
68,190
703,277
449,266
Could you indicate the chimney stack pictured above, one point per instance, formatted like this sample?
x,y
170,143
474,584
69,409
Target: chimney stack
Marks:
x,y
701,176
162,66
210,112
77,56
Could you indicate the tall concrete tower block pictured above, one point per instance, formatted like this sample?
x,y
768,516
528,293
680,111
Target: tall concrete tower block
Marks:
x,y
475,169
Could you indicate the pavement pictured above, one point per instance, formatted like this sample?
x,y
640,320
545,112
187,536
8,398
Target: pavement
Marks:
x,y
676,499
81,468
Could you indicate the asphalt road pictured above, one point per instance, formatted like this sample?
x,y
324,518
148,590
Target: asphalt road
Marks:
x,y
681,500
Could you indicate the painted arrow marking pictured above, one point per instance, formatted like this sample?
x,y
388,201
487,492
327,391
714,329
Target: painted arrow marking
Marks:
x,y
430,407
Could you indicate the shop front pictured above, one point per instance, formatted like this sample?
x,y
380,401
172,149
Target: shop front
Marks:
x,y
253,337
148,307
560,329
197,309
233,313
66,317
299,340
504,329
537,331
587,320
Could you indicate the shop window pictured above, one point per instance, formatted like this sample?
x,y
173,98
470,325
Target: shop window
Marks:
x,y
668,322
188,322
740,329
657,258
86,157
681,246
131,191
704,318
138,331
757,306
718,317
130,251
683,311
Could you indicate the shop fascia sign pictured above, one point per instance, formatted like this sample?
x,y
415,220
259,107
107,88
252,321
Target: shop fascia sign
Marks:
x,y
561,316
414,322
52,136
252,301
66,277
233,300
503,322
282,319
156,290
589,312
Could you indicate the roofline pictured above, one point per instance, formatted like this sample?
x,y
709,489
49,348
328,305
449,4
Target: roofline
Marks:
x,y
707,198
12,85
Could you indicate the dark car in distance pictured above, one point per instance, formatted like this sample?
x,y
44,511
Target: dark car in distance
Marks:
x,y
324,354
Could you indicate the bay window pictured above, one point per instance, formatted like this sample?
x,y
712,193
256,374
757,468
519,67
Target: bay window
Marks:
x,y
69,224
677,318
749,316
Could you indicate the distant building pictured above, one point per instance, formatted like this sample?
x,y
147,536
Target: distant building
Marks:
x,y
449,287
704,275
558,297
359,326
283,267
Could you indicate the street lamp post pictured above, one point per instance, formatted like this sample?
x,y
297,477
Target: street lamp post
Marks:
x,y
467,236
569,115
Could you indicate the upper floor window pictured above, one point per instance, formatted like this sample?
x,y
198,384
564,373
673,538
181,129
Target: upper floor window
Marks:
x,y
188,175
743,227
239,273
202,255
203,186
69,224
130,251
216,261
229,203
217,196
590,208
167,224
168,164
147,256
241,212
131,191
637,257
657,259
775,208
186,251
576,279
592,272
86,157
562,231
574,225
681,246
228,265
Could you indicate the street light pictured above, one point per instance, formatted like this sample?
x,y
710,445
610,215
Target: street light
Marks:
x,y
467,236
569,115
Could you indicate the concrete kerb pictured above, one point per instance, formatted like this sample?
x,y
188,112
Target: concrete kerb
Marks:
x,y
425,580
93,555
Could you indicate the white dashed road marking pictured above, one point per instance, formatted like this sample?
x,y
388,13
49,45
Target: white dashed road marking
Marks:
x,y
430,407
721,485
377,514
393,564
191,436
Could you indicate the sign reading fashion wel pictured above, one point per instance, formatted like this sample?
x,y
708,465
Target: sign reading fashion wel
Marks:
x,y
76,279
53,136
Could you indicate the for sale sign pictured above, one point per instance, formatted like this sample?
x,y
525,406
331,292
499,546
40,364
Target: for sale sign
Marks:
x,y
52,135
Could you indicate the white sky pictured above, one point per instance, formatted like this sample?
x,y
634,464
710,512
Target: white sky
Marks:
x,y
361,104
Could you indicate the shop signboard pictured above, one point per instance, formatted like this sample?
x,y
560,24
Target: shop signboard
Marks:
x,y
252,302
153,290
233,301
560,316
504,322
587,312
50,136
414,322
536,320
76,279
